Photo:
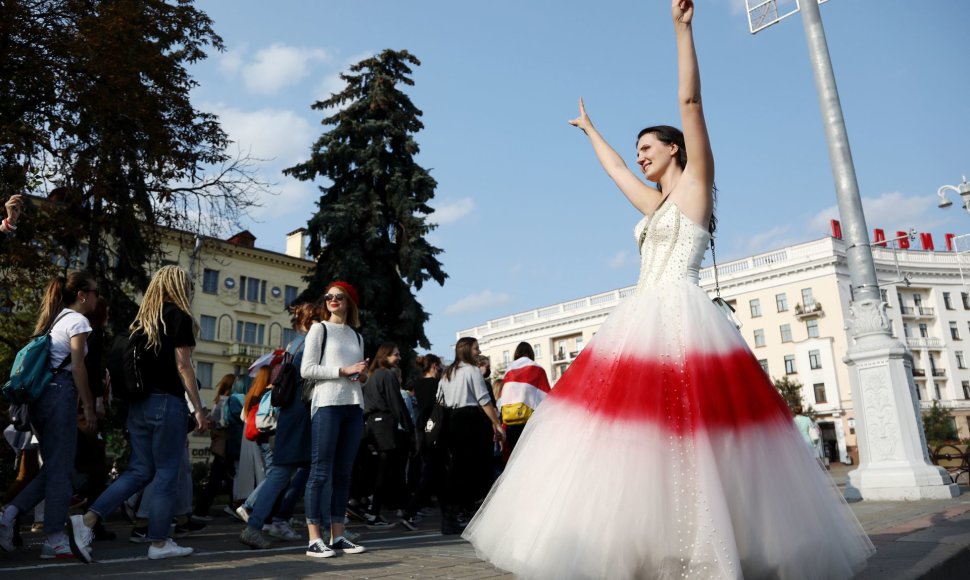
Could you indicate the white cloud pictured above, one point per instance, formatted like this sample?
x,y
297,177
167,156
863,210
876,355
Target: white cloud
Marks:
x,y
451,211
279,66
890,211
231,62
770,239
619,260
478,302
270,134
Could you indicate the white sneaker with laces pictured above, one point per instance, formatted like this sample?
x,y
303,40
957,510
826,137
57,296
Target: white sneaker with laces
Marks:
x,y
283,531
81,538
169,550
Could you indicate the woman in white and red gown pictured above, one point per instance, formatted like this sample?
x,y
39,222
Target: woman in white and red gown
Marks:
x,y
664,451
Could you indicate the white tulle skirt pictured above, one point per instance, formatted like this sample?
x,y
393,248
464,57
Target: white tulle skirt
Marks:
x,y
665,452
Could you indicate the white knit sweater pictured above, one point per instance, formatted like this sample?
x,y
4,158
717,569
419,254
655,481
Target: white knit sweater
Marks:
x,y
343,349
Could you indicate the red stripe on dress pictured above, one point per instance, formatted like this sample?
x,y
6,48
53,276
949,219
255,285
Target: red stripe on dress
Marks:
x,y
728,390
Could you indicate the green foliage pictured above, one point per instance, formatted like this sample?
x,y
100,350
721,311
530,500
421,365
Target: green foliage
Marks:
x,y
791,392
95,102
371,223
938,425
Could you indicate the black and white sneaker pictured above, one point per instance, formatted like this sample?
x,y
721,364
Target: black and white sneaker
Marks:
x,y
320,550
139,535
378,523
344,546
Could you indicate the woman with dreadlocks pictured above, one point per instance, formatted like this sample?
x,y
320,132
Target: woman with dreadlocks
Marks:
x,y
157,422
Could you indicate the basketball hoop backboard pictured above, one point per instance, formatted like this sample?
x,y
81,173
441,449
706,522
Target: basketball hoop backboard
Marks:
x,y
764,13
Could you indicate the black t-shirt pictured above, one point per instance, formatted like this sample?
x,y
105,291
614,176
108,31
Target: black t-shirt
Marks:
x,y
177,331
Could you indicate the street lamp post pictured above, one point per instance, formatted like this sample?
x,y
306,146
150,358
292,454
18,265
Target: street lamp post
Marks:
x,y
963,190
893,459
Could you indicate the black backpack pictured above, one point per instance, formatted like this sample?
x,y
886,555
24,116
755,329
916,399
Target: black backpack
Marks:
x,y
138,365
285,379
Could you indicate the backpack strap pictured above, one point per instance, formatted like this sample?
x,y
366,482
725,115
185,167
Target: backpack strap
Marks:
x,y
50,329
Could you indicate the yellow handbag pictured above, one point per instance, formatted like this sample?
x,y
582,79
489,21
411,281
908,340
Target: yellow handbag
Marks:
x,y
516,413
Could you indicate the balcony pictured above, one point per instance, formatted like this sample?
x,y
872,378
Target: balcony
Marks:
x,y
245,354
939,373
565,357
924,342
810,310
919,373
917,312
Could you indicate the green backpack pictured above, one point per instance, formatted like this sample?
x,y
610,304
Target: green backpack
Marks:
x,y
31,371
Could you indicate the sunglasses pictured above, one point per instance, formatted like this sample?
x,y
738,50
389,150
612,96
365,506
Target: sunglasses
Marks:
x,y
334,297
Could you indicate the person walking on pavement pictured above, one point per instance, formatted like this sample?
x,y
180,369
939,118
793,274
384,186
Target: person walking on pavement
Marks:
x,y
156,423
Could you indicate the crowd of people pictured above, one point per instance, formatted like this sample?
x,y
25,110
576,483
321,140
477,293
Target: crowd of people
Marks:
x,y
344,434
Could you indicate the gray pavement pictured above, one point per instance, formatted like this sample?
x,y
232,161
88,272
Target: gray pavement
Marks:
x,y
920,539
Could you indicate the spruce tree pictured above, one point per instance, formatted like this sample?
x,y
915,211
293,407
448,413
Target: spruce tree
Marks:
x,y
371,221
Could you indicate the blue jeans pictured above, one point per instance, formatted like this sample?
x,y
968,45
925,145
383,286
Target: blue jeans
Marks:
x,y
54,418
293,479
335,434
157,427
267,452
183,504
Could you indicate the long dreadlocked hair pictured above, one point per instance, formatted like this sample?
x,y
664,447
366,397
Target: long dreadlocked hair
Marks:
x,y
169,284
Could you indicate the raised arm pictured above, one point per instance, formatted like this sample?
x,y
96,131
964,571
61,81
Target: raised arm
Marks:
x,y
644,197
700,159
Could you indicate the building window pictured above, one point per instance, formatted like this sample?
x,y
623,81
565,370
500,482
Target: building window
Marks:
x,y
250,332
936,390
906,331
759,337
924,332
884,295
961,362
781,301
506,358
289,295
203,372
819,389
755,308
812,326
289,335
764,365
965,296
789,364
210,281
966,389
954,333
252,289
207,327
814,359
807,298
947,302
579,343
785,332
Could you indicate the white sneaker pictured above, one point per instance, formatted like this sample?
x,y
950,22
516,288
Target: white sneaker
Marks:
x,y
283,531
242,513
81,538
169,550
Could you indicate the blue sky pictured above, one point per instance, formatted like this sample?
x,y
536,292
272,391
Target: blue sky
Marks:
x,y
526,216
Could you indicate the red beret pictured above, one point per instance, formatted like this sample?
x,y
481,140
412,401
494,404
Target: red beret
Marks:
x,y
346,287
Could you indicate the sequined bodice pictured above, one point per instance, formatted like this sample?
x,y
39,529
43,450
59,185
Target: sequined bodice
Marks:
x,y
671,246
